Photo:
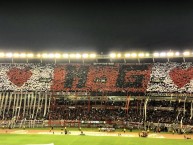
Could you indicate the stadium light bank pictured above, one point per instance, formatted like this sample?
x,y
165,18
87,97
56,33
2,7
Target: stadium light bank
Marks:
x,y
113,55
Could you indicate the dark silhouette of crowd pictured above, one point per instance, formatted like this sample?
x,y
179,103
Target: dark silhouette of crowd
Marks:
x,y
157,111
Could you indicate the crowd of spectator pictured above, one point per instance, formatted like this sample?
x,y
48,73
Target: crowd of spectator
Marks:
x,y
98,80
74,77
136,78
171,77
157,111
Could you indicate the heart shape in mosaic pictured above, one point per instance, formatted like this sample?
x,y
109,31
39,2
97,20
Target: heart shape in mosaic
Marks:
x,y
180,76
19,76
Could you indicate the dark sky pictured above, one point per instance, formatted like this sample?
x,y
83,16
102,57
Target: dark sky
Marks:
x,y
96,26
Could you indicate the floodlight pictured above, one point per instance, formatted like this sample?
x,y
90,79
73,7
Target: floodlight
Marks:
x,y
85,55
22,55
38,55
112,55
65,55
72,55
30,55
119,55
162,54
134,55
57,55
92,55
141,54
127,55
78,56
147,54
51,55
45,55
186,53
9,55
170,54
16,55
156,54
177,54
2,54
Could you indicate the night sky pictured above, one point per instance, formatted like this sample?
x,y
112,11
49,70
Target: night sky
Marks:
x,y
96,26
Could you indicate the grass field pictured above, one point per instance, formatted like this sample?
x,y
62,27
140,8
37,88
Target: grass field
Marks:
x,y
21,139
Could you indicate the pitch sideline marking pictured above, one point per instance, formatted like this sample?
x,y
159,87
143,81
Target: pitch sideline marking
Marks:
x,y
41,144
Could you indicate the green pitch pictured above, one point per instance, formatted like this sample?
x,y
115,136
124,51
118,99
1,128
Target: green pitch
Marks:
x,y
15,139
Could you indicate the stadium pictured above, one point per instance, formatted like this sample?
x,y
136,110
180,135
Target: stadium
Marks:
x,y
96,94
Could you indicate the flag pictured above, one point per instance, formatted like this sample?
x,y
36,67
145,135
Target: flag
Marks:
x,y
127,104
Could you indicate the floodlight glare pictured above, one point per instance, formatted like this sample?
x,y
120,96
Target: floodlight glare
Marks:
x,y
16,55
51,55
9,55
65,55
112,55
22,55
38,55
30,55
119,55
186,53
134,55
141,54
78,56
162,54
127,55
92,55
147,54
85,55
170,54
72,55
57,55
45,55
2,54
177,54
156,54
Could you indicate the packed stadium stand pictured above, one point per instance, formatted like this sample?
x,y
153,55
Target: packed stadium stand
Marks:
x,y
91,94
